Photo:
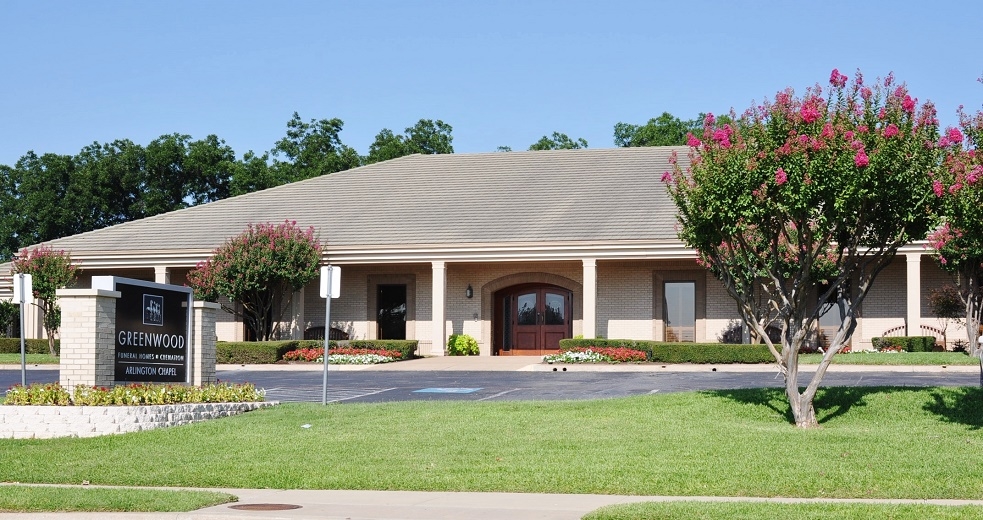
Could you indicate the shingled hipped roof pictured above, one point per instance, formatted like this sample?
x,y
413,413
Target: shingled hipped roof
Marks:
x,y
512,197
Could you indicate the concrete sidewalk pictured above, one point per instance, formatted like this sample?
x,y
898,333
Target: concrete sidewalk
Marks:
x,y
419,505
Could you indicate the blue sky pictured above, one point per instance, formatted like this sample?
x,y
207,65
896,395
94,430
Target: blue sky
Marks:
x,y
500,72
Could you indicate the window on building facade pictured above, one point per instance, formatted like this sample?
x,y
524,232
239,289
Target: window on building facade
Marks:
x,y
679,302
391,313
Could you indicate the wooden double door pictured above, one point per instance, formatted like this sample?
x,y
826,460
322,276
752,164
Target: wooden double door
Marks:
x,y
532,319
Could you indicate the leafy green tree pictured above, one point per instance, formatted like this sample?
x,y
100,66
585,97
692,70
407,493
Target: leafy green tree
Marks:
x,y
9,312
425,137
257,269
113,173
47,194
252,173
558,141
179,172
958,243
799,204
311,150
429,137
50,270
665,130
10,214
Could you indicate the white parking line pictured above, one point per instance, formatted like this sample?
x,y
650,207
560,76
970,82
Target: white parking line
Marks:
x,y
310,394
500,394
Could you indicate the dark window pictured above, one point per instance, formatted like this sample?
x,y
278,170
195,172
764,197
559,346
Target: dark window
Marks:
x,y
391,315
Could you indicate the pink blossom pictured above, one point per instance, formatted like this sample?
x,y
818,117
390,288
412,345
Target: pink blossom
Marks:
x,y
954,135
780,176
863,129
866,93
692,141
908,104
709,120
974,175
955,187
722,137
938,188
827,131
891,130
809,112
848,135
861,159
836,79
667,177
882,113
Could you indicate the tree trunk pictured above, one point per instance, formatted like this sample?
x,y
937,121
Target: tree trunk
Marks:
x,y
51,344
803,411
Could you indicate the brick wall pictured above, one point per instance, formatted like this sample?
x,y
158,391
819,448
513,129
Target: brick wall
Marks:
x,y
46,422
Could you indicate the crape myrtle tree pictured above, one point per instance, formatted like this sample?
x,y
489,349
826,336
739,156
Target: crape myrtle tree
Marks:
x,y
50,270
256,269
958,243
799,203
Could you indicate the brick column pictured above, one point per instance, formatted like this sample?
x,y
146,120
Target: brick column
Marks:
x,y
913,316
590,298
88,323
203,339
439,287
162,274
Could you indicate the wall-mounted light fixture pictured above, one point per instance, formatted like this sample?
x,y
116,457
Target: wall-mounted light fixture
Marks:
x,y
469,292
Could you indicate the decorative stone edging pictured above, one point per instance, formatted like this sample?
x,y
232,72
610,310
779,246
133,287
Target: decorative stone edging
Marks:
x,y
47,422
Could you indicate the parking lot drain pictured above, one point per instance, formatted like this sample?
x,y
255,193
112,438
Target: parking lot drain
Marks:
x,y
264,507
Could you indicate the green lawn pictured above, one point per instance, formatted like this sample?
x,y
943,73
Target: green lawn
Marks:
x,y
897,358
757,511
914,443
32,359
31,499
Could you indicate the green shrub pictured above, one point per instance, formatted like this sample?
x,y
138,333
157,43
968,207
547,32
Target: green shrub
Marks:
x,y
32,346
710,353
462,345
253,352
134,394
662,352
406,346
905,343
267,352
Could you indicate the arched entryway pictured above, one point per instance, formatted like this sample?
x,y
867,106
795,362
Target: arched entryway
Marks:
x,y
531,319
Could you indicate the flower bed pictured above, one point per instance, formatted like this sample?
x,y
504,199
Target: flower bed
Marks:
x,y
597,355
344,356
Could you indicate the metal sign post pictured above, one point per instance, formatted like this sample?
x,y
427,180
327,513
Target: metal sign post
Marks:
x,y
330,288
23,295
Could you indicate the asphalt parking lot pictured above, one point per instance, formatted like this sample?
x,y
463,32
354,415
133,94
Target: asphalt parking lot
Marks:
x,y
387,386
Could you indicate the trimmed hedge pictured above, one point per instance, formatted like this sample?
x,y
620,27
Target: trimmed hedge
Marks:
x,y
406,346
32,346
268,352
908,343
252,352
662,352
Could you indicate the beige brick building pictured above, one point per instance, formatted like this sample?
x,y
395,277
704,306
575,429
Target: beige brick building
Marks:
x,y
517,249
